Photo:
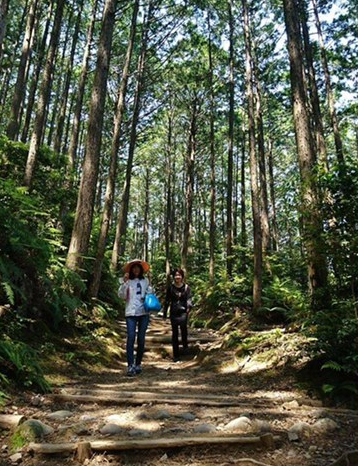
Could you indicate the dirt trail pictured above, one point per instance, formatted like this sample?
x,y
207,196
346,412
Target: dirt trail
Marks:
x,y
204,397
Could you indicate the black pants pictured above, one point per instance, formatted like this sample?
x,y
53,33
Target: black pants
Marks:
x,y
182,322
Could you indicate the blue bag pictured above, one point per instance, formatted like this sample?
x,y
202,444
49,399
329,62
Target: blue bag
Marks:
x,y
151,303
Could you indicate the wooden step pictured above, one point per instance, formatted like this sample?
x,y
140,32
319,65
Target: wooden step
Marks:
x,y
265,440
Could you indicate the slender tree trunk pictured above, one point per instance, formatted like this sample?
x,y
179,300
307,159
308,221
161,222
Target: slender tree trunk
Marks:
x,y
14,121
168,216
330,97
119,242
243,237
312,224
274,230
86,197
229,220
112,174
265,224
212,233
315,103
255,195
190,160
41,51
44,97
4,8
5,81
146,214
72,152
64,98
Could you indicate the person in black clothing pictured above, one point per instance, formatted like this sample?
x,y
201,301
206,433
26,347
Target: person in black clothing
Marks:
x,y
178,299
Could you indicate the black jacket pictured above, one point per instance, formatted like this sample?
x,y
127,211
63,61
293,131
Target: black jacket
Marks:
x,y
179,300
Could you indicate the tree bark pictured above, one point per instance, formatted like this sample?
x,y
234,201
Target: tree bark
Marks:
x,y
86,197
312,223
43,98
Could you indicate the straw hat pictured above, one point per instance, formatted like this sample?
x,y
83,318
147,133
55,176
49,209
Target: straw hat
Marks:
x,y
144,264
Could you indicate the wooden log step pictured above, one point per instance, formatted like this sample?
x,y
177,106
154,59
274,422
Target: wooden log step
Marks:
x,y
10,421
135,399
149,395
144,444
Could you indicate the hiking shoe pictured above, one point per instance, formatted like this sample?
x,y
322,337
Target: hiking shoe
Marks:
x,y
138,369
131,371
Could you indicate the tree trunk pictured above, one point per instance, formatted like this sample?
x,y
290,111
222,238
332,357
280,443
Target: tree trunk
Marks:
x,y
14,121
190,160
44,97
86,197
169,199
229,219
146,214
41,50
112,174
312,224
330,97
265,225
243,237
121,229
64,97
81,90
255,195
274,230
212,233
4,8
316,107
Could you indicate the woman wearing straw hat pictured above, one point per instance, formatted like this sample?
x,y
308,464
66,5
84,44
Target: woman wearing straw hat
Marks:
x,y
133,290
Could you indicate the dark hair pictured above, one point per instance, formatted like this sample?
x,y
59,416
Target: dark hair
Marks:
x,y
131,274
181,271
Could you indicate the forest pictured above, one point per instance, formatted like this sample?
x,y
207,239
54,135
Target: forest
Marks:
x,y
216,136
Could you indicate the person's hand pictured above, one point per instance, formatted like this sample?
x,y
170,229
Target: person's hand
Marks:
x,y
126,277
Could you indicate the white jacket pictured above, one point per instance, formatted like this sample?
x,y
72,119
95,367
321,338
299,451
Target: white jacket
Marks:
x,y
128,291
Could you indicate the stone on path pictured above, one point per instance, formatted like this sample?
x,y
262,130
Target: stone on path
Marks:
x,y
325,425
240,424
60,415
111,429
300,429
205,429
187,416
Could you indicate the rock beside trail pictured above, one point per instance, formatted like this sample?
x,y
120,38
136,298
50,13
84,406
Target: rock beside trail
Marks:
x,y
240,424
111,429
325,425
205,429
186,416
60,415
299,430
33,429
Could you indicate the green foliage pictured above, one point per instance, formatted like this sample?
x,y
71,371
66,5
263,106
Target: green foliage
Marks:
x,y
21,365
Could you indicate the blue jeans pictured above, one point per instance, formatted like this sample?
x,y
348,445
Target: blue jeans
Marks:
x,y
132,322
